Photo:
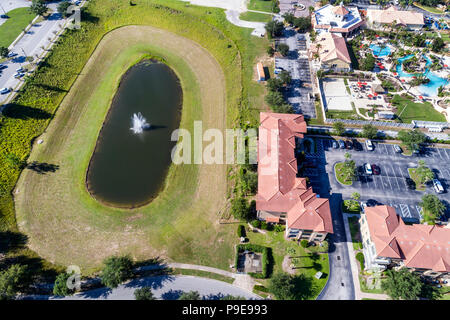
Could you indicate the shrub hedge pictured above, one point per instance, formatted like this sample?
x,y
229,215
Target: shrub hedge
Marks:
x,y
360,257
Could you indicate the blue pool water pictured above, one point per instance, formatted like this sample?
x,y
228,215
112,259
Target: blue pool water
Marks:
x,y
379,51
428,89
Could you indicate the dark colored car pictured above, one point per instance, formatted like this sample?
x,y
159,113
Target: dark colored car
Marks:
x,y
376,169
371,203
410,183
356,145
342,144
4,16
348,144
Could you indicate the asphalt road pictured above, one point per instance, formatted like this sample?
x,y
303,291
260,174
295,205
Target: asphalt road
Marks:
x,y
30,45
163,287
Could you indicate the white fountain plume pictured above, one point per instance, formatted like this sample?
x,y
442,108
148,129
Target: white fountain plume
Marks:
x,y
139,123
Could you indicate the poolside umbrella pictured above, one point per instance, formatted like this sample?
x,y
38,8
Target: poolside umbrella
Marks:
x,y
375,94
445,66
376,36
394,73
381,67
364,83
370,96
414,77
403,80
420,97
361,46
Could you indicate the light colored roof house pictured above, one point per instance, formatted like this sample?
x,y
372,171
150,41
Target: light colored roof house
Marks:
x,y
332,47
418,246
409,19
279,188
337,19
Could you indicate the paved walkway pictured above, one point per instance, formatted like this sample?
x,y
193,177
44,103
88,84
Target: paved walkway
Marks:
x,y
243,281
233,10
355,272
163,287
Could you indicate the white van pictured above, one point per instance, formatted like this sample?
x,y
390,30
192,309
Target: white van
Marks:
x,y
438,186
369,145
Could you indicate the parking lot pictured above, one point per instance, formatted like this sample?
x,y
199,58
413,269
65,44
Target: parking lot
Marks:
x,y
299,92
390,186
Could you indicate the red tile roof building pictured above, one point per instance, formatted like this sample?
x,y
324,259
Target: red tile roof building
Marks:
x,y
388,240
281,194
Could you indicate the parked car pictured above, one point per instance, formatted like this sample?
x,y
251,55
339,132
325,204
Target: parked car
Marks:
x,y
397,149
437,185
367,168
335,144
342,144
12,54
410,183
375,169
372,203
18,75
363,206
4,91
356,145
4,16
369,145
348,144
19,70
2,66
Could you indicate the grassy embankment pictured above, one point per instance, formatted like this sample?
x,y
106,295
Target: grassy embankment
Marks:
x,y
177,225
18,19
255,16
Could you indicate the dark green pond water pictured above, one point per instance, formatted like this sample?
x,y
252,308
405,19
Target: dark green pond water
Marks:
x,y
129,169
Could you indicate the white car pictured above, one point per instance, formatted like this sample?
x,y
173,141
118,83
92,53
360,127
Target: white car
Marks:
x,y
369,145
367,168
12,54
437,185
19,70
4,91
18,75
363,206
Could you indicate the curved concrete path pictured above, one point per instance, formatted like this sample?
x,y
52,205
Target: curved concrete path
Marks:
x,y
233,10
163,287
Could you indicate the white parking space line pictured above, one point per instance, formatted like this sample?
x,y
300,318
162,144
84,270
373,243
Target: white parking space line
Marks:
x,y
419,211
405,210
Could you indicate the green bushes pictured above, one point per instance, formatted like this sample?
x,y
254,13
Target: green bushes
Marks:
x,y
304,243
360,257
267,258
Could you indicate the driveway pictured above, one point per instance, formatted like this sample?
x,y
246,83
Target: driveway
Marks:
x,y
163,287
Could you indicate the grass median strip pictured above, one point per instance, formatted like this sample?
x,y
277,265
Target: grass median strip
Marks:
x,y
18,20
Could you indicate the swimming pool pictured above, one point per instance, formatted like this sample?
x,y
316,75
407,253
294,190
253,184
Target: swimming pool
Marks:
x,y
380,51
427,89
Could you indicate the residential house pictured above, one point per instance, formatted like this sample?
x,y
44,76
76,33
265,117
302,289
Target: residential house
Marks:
x,y
388,241
282,196
379,19
331,50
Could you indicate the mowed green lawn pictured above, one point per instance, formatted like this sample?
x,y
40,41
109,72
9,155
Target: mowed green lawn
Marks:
x,y
255,16
67,226
415,111
260,5
18,19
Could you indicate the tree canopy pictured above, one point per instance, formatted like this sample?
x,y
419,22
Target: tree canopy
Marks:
x,y
10,281
274,28
406,285
60,287
116,271
412,139
424,173
39,7
291,287
338,128
190,295
144,293
369,131
433,207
